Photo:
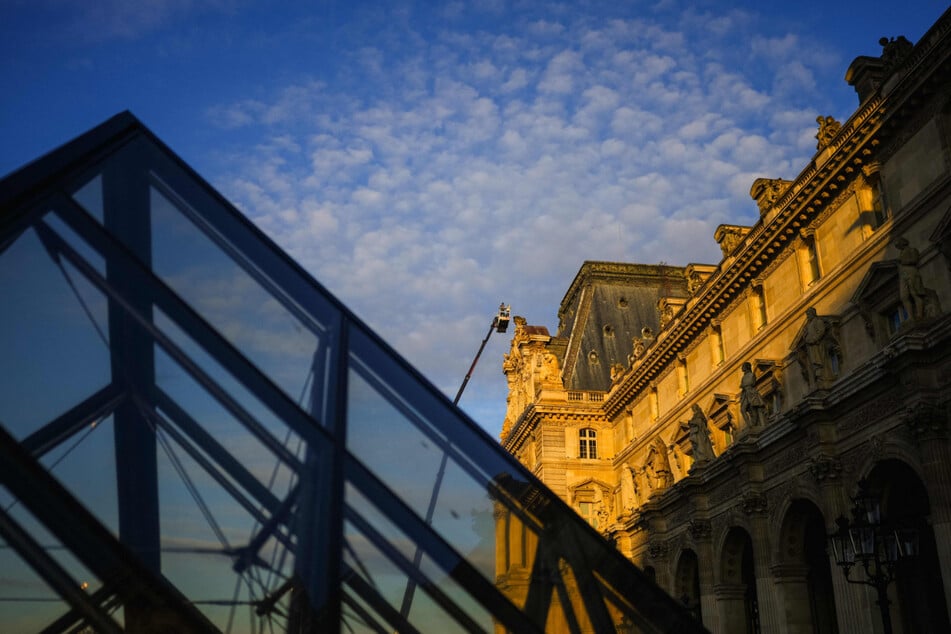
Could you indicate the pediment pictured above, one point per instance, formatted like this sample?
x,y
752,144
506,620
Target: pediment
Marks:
x,y
589,484
881,278
942,233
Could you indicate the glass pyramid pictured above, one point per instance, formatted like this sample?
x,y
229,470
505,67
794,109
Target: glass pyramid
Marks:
x,y
196,436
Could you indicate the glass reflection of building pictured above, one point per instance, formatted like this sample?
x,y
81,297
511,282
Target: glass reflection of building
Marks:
x,y
196,436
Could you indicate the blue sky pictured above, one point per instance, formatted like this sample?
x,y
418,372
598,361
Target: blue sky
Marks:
x,y
426,161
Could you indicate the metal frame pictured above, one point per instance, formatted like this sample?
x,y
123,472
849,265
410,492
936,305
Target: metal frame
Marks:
x,y
306,521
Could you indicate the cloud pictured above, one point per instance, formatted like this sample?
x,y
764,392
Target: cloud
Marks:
x,y
463,176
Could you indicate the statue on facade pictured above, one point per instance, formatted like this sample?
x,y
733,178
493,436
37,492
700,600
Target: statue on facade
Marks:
x,y
665,312
751,402
657,466
617,371
916,299
767,192
694,282
819,349
699,434
828,128
637,350
628,490
894,51
551,373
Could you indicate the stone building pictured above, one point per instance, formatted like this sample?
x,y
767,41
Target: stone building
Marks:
x,y
714,421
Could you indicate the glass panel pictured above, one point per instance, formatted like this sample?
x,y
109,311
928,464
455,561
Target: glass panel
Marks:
x,y
27,602
85,465
58,356
89,196
230,299
383,438
255,453
229,444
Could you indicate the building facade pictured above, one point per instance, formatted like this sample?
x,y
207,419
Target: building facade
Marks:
x,y
716,421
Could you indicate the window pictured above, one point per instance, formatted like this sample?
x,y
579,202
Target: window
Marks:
x,y
809,268
716,345
587,443
895,317
682,377
872,204
586,510
758,308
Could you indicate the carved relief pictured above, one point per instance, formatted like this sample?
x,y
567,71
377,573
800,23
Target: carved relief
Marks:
x,y
699,529
926,422
825,469
753,502
872,412
657,549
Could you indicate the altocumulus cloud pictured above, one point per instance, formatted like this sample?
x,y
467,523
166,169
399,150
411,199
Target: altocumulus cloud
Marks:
x,y
469,165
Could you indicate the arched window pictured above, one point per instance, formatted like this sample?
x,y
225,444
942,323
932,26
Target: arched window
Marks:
x,y
587,443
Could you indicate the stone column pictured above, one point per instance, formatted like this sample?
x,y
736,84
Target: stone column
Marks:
x,y
731,610
793,594
855,608
658,558
929,425
770,617
701,532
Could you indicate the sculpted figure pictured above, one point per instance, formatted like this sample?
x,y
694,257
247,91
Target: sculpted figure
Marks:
x,y
699,435
914,296
816,330
751,403
658,466
551,373
894,51
819,352
628,490
828,128
617,370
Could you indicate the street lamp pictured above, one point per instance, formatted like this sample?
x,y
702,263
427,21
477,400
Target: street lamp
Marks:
x,y
877,548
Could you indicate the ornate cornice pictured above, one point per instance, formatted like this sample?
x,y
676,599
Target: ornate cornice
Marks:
x,y
808,196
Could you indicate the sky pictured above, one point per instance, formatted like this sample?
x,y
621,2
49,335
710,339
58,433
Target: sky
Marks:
x,y
426,161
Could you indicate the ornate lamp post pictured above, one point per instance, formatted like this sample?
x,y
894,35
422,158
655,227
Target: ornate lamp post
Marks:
x,y
864,541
